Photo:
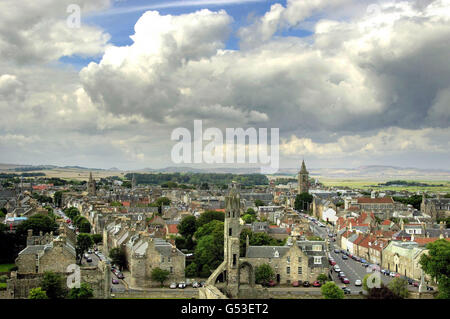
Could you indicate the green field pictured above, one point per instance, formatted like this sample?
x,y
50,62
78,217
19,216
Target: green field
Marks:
x,y
367,184
6,267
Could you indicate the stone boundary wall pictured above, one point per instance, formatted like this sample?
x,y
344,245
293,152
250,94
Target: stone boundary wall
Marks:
x,y
157,294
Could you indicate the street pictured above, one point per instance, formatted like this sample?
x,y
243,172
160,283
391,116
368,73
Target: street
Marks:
x,y
352,269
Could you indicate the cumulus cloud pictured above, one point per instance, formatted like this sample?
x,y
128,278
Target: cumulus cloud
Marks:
x,y
371,84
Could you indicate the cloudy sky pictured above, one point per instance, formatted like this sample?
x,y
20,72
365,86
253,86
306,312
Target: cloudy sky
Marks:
x,y
347,82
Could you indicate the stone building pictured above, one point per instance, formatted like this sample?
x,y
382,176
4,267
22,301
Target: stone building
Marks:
x,y
403,258
435,207
46,254
91,186
297,261
303,179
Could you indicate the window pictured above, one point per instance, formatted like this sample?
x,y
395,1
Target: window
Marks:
x,y
171,270
288,270
299,270
234,259
299,259
230,231
162,259
317,260
168,259
270,260
317,247
288,258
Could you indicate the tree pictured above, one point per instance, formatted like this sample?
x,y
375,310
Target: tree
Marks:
x,y
162,201
84,226
191,270
331,291
322,278
97,238
72,212
399,287
37,293
84,292
251,211
54,285
209,216
210,244
160,275
187,226
37,223
301,201
248,219
264,274
118,257
57,198
381,293
259,202
84,242
436,264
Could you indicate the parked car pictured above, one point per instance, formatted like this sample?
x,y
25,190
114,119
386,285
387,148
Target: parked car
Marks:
x,y
272,283
120,275
415,284
306,284
410,281
365,265
316,284
341,274
195,284
337,251
358,283
345,280
182,285
173,285
336,268
346,290
430,288
344,257
115,281
393,274
333,263
363,261
296,284
89,259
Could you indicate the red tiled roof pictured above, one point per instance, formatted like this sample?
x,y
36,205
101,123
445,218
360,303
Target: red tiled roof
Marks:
x,y
368,200
173,229
386,222
126,204
424,241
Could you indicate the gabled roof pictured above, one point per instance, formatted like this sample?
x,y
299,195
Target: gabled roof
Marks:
x,y
368,200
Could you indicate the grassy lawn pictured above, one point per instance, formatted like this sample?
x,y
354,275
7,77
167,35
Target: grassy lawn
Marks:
x,y
6,267
2,285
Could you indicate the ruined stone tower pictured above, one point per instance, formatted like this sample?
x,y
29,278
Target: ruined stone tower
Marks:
x,y
232,233
91,187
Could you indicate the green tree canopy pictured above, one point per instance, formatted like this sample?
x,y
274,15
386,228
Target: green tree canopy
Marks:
x,y
37,293
330,290
248,218
37,223
264,274
72,212
97,238
436,263
54,285
160,275
301,201
187,226
381,293
118,257
399,287
210,243
84,242
84,292
259,202
209,216
322,278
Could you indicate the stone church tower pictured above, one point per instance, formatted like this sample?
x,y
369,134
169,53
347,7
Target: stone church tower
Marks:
x,y
303,179
133,182
91,187
232,233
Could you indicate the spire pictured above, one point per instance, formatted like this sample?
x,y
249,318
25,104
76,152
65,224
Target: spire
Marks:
x,y
303,169
90,177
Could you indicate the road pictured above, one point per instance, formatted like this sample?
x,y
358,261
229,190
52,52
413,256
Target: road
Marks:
x,y
353,269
